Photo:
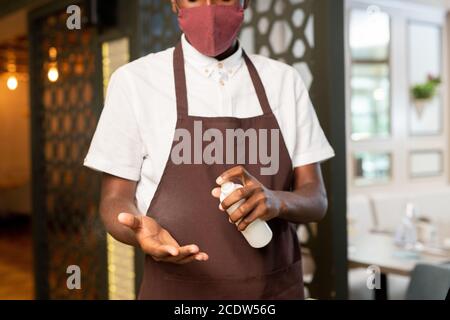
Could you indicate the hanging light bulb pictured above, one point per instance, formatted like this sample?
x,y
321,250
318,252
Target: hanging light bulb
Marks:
x,y
11,67
52,53
53,74
12,83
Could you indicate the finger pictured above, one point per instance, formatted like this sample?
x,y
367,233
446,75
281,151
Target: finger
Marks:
x,y
197,257
186,260
184,252
130,220
255,214
239,194
166,238
157,250
216,193
188,250
170,250
246,208
238,172
202,256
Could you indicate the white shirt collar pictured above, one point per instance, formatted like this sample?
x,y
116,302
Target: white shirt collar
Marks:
x,y
208,65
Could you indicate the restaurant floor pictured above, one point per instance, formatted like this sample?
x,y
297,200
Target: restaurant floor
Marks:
x,y
16,258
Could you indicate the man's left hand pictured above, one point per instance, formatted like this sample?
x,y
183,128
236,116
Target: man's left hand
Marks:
x,y
260,202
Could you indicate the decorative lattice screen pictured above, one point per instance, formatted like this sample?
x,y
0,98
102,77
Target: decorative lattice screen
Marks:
x,y
65,114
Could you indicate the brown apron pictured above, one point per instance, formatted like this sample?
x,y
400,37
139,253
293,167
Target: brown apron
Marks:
x,y
183,205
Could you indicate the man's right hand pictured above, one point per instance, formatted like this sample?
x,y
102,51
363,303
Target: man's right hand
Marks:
x,y
158,243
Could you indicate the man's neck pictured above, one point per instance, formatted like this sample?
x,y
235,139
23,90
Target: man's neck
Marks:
x,y
229,52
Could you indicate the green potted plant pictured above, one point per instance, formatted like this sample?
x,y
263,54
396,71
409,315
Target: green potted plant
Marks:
x,y
423,93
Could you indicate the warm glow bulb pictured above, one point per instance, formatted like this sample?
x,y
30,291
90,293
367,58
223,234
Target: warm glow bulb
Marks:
x,y
12,83
53,74
52,52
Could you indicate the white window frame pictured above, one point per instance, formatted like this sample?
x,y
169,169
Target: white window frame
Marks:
x,y
401,143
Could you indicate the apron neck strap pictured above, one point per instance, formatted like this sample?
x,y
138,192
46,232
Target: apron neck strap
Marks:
x,y
258,85
181,89
180,81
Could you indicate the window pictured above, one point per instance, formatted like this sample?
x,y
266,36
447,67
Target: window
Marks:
x,y
372,168
394,138
370,74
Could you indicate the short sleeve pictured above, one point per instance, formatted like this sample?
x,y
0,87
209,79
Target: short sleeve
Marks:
x,y
116,147
311,144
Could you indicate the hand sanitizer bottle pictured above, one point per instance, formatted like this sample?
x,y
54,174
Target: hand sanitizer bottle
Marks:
x,y
258,234
406,234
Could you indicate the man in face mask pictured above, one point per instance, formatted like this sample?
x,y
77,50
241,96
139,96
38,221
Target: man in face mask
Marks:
x,y
211,28
164,199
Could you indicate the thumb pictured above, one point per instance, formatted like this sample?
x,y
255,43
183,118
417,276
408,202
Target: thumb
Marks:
x,y
130,220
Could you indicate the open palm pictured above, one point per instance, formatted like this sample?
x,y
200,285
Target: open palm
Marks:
x,y
158,242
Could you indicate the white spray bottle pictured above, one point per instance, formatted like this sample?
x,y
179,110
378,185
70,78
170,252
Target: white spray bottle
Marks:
x,y
258,234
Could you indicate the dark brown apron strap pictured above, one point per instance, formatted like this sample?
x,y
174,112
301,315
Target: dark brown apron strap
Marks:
x,y
180,81
181,89
257,83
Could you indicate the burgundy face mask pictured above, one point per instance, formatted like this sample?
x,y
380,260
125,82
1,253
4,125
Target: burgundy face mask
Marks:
x,y
211,29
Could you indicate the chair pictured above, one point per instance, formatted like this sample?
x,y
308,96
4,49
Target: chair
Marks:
x,y
360,215
429,282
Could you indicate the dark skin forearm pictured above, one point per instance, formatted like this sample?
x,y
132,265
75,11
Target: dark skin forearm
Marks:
x,y
116,197
308,202
305,205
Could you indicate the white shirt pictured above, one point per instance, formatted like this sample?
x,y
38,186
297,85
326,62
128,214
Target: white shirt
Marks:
x,y
136,128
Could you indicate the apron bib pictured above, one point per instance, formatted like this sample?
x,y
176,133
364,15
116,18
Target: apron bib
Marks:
x,y
183,205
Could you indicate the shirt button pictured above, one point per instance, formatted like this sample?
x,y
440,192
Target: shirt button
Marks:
x,y
220,65
222,83
206,70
